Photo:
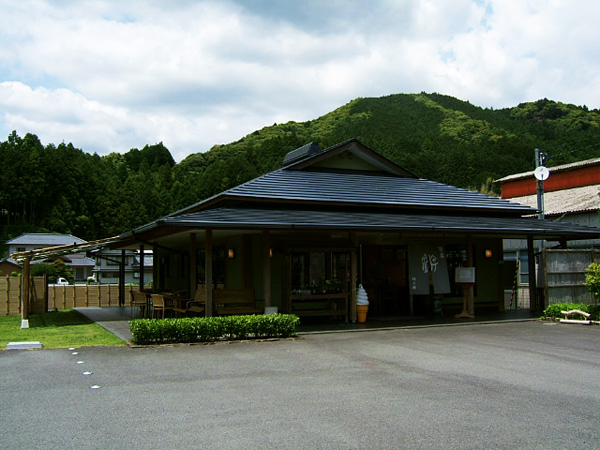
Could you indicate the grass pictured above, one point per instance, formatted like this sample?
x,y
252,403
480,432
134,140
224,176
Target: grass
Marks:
x,y
65,328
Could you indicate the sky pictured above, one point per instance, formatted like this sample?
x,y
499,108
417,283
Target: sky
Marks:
x,y
109,76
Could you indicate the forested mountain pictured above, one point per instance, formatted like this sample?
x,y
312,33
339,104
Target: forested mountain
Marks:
x,y
63,189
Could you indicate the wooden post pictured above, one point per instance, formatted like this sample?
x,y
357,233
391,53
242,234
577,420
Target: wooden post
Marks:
x,y
532,280
208,272
193,265
155,267
470,288
7,296
246,261
353,284
267,268
25,297
122,279
142,264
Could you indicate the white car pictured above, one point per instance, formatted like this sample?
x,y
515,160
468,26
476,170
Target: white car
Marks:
x,y
60,281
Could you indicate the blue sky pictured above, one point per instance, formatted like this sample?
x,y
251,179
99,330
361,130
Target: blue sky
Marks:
x,y
109,76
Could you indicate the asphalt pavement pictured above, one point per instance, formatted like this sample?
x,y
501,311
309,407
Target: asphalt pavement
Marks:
x,y
526,385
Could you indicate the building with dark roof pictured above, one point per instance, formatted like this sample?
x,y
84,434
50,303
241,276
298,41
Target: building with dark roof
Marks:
x,y
80,264
304,236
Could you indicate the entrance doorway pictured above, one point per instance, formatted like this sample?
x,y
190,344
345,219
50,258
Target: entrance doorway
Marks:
x,y
385,278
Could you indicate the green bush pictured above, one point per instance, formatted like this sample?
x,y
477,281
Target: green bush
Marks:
x,y
207,329
554,311
592,279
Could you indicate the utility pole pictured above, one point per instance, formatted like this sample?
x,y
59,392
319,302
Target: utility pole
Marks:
x,y
541,173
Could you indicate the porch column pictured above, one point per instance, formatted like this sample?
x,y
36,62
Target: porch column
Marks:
x,y
155,267
25,297
193,264
142,268
208,269
267,268
353,284
122,279
532,278
471,287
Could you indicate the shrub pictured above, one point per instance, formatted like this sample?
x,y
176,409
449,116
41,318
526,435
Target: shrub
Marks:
x,y
554,311
592,279
207,329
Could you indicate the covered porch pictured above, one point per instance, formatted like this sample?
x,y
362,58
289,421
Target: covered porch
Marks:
x,y
408,267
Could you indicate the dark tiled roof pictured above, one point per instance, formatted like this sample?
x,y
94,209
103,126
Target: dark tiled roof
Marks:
x,y
48,239
364,189
304,152
249,218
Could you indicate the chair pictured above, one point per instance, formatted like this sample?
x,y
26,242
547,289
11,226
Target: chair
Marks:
x,y
138,300
198,303
159,304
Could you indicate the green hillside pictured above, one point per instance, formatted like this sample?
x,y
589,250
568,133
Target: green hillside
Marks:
x,y
435,136
63,189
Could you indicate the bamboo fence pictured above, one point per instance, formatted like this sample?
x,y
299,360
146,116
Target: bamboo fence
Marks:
x,y
46,297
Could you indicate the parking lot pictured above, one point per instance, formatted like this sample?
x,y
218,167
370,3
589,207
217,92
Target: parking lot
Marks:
x,y
493,386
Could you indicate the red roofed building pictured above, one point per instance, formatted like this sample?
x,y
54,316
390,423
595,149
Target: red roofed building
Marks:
x,y
571,194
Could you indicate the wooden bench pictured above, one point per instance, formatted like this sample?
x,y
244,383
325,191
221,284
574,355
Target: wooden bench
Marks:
x,y
229,302
568,315
332,305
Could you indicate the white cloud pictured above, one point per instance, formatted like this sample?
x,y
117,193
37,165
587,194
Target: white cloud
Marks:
x,y
111,76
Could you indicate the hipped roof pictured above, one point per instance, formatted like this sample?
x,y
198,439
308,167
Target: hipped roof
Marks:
x,y
305,219
305,182
351,187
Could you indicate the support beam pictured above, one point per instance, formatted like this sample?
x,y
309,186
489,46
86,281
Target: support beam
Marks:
x,y
193,264
247,281
155,267
532,277
26,295
267,268
471,288
208,272
142,268
354,281
122,279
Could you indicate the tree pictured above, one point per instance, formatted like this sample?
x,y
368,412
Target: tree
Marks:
x,y
53,270
592,280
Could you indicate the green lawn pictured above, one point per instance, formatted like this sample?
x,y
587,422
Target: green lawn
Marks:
x,y
66,328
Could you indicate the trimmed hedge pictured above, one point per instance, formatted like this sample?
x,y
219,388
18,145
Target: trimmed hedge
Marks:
x,y
207,329
554,311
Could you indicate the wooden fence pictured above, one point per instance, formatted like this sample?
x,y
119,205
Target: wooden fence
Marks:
x,y
565,275
44,297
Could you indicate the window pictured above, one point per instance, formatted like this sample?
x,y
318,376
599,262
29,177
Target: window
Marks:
x,y
319,272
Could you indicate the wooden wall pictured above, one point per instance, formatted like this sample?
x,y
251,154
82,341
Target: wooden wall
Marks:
x,y
44,297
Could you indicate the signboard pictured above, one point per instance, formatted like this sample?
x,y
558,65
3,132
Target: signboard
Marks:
x,y
427,265
464,275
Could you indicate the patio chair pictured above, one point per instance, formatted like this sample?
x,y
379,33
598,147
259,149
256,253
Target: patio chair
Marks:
x,y
198,303
159,305
138,301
